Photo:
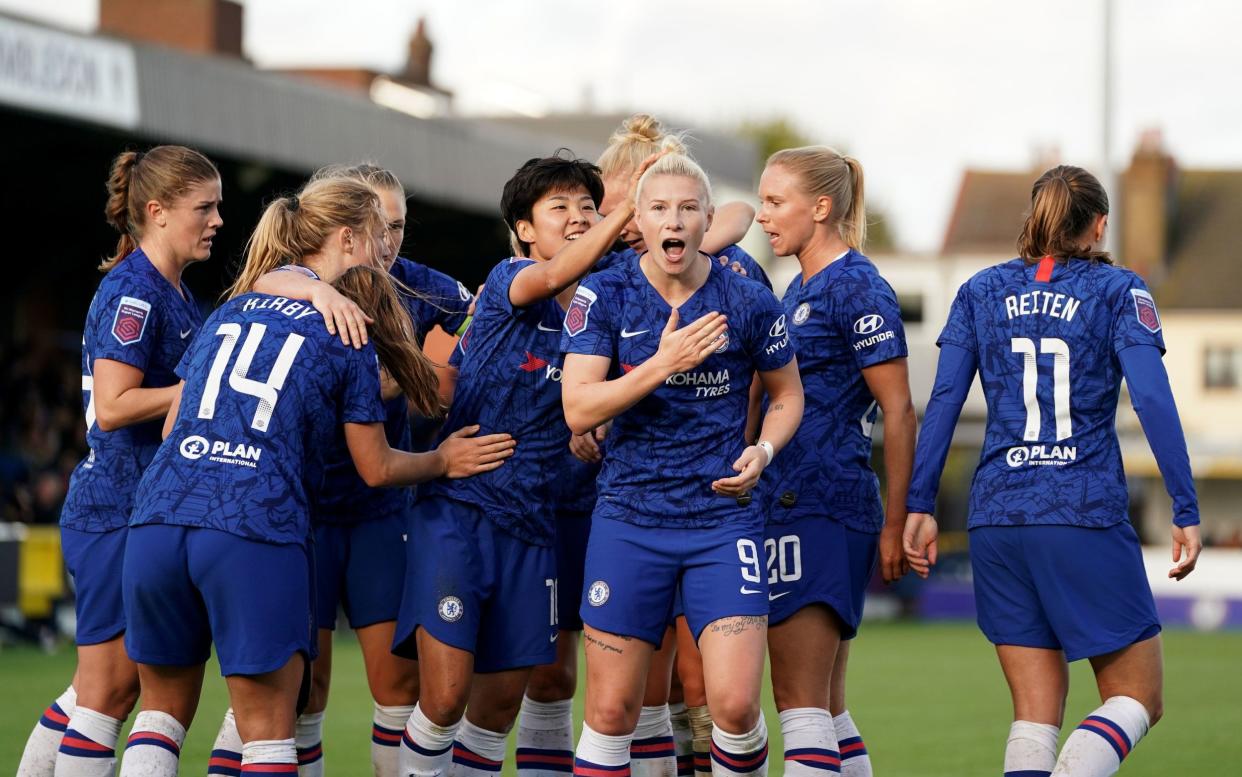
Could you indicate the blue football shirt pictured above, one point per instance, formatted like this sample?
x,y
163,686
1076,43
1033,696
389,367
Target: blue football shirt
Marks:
x,y
843,319
137,318
665,451
266,389
509,381
1047,346
439,299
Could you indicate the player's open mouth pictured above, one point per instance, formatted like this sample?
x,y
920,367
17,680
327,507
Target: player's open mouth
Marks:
x,y
772,236
674,249
575,235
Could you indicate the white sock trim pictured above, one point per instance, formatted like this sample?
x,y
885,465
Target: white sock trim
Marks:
x,y
545,715
270,751
480,741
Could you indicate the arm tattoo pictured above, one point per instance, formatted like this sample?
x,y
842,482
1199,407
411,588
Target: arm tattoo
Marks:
x,y
738,624
777,406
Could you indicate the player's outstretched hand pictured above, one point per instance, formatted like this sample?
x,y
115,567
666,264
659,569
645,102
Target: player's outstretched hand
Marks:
x,y
1186,543
919,542
749,467
465,455
585,448
341,315
893,562
686,348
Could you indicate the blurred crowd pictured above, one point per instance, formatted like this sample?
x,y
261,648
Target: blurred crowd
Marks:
x,y
42,431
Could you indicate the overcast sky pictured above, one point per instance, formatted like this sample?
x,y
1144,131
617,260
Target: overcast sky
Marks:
x,y
919,91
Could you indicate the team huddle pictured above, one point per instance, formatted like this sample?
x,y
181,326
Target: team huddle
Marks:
x,y
634,441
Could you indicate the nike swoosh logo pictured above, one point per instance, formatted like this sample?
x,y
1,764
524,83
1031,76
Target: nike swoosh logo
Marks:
x,y
552,638
186,333
543,328
774,597
746,590
634,334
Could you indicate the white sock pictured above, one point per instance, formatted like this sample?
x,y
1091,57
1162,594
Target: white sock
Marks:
x,y
601,753
734,754
701,739
477,752
1031,750
545,738
683,738
854,759
88,748
226,752
154,746
1102,741
264,757
386,726
651,751
308,738
39,757
810,742
426,749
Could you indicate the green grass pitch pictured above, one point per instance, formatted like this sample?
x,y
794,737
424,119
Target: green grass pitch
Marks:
x,y
930,700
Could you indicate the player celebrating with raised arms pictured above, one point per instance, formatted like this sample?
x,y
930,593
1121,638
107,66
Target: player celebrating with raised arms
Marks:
x,y
1058,569
674,500
165,203
221,527
825,499
479,608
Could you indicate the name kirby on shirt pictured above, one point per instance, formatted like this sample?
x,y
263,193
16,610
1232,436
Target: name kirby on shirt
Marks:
x,y
298,310
1044,303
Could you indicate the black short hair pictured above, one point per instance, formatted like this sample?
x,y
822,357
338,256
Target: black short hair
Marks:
x,y
560,172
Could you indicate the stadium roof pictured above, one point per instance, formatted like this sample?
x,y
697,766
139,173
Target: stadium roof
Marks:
x,y
224,106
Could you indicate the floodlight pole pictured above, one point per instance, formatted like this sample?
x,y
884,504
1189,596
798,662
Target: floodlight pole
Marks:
x,y
1112,178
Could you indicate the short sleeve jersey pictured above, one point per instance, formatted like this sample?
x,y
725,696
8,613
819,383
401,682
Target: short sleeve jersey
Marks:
x,y
266,388
509,381
439,300
842,320
137,318
1046,337
579,491
665,451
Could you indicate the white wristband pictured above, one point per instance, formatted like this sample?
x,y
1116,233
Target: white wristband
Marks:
x,y
768,449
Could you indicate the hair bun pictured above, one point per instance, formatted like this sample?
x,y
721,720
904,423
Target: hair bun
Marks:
x,y
641,127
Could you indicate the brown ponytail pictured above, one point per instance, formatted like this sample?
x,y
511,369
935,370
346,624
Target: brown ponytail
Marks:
x,y
824,172
162,174
393,336
1065,202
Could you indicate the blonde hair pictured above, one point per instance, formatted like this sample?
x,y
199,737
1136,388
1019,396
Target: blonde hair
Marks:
x,y
162,174
296,226
825,172
637,138
368,172
676,163
392,333
1064,202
